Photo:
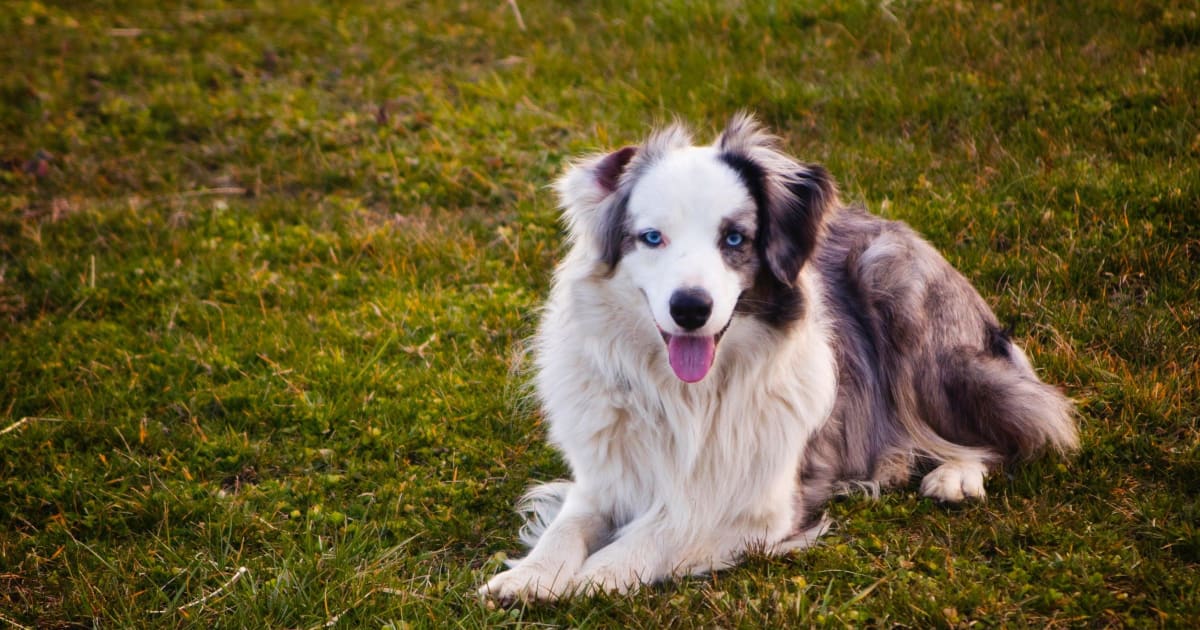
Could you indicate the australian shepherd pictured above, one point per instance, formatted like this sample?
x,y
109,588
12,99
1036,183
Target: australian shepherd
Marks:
x,y
726,346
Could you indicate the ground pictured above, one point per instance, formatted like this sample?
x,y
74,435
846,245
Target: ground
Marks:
x,y
265,273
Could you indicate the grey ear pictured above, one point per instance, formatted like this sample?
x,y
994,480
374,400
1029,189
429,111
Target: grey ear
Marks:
x,y
792,198
796,205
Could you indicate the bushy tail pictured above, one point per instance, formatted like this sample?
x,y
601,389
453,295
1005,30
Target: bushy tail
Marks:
x,y
1001,403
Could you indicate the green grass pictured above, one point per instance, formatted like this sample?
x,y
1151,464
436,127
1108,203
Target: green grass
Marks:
x,y
263,272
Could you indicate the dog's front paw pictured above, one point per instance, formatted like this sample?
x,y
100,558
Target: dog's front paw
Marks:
x,y
605,578
525,583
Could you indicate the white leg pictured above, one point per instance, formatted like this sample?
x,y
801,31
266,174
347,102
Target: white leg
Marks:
x,y
547,572
649,549
641,554
955,481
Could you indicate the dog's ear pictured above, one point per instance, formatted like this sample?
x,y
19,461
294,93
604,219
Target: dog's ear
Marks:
x,y
590,207
589,182
792,198
796,204
608,170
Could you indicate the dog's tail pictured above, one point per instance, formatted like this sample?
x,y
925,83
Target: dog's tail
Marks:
x,y
1011,409
998,406
539,506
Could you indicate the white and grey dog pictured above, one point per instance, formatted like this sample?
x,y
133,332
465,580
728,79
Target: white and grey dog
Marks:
x,y
725,345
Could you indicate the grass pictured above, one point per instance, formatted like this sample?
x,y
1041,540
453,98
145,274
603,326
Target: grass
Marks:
x,y
263,272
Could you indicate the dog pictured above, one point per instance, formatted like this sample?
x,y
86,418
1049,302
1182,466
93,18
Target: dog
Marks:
x,y
726,346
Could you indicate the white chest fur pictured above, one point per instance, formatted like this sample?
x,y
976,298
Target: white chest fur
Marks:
x,y
721,452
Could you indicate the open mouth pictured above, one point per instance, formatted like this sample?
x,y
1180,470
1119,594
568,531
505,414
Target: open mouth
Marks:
x,y
691,356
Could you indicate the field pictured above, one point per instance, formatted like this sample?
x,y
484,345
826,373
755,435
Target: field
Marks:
x,y
265,273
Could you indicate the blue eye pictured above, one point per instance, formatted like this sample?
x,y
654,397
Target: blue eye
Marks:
x,y
734,239
653,238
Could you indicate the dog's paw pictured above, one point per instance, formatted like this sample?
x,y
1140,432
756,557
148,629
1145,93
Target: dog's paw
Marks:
x,y
955,481
605,578
525,583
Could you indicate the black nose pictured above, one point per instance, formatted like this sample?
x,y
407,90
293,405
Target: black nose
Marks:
x,y
690,308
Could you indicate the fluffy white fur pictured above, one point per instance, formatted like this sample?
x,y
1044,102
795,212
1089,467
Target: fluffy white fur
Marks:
x,y
695,474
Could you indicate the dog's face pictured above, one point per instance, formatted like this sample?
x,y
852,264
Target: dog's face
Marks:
x,y
693,223
705,234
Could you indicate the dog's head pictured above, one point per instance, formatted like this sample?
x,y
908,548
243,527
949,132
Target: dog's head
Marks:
x,y
706,233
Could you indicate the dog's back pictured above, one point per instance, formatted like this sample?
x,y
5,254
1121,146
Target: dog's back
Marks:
x,y
924,370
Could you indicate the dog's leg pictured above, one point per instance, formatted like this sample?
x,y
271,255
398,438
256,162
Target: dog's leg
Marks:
x,y
641,554
547,572
955,481
651,548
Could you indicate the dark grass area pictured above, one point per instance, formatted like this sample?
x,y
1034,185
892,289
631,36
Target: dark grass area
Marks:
x,y
264,270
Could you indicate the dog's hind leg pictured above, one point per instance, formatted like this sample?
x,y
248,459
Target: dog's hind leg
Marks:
x,y
992,402
955,481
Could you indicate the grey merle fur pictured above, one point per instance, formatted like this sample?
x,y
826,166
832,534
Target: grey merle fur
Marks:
x,y
918,351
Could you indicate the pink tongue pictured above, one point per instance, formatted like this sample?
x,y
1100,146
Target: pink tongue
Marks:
x,y
691,357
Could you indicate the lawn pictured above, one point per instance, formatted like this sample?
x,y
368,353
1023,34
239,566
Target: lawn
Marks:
x,y
266,269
